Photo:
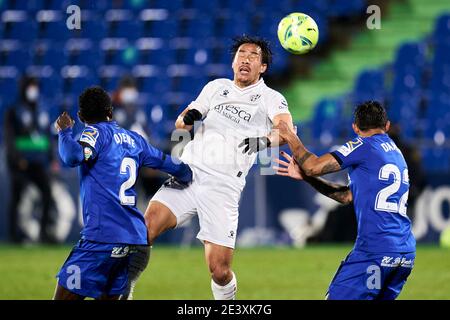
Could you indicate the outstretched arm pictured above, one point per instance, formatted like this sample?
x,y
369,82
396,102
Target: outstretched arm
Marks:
x,y
311,164
273,139
335,191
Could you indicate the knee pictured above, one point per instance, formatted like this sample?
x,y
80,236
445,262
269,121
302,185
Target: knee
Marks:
x,y
220,273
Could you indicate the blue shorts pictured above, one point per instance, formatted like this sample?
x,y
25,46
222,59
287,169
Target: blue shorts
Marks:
x,y
95,269
371,276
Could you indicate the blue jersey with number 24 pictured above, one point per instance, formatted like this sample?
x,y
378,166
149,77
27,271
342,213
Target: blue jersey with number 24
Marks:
x,y
379,182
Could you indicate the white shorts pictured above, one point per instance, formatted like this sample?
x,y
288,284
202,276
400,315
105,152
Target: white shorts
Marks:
x,y
214,199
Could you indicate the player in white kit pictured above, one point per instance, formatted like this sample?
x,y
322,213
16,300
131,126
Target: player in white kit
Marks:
x,y
237,119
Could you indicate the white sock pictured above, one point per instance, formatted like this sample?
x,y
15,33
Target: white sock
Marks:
x,y
226,292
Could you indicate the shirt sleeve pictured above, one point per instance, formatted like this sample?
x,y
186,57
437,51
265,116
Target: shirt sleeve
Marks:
x,y
90,140
70,151
203,101
277,104
156,159
352,153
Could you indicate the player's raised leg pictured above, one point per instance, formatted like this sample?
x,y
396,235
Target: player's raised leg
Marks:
x,y
158,218
223,279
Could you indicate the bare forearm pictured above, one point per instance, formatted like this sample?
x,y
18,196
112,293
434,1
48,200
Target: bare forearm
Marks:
x,y
337,192
311,164
301,155
275,139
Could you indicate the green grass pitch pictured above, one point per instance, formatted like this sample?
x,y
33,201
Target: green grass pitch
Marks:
x,y
181,273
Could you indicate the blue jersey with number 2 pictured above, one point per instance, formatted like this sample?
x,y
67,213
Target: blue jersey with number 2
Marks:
x,y
379,182
109,165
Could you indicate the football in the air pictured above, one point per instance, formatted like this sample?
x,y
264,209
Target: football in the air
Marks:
x,y
298,33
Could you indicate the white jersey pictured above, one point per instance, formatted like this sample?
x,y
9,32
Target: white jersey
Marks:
x,y
232,114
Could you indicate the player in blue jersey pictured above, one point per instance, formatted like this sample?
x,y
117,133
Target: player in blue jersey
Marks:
x,y
384,252
112,251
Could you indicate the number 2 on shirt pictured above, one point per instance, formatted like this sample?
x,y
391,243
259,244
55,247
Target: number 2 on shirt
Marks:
x,y
128,165
381,202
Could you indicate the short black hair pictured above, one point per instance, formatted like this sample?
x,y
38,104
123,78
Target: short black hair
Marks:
x,y
95,105
370,115
264,44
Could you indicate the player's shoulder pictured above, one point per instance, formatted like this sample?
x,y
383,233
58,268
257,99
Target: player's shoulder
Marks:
x,y
220,82
91,134
352,145
272,94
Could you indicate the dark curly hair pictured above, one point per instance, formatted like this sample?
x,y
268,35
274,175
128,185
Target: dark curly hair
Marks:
x,y
94,105
260,42
370,115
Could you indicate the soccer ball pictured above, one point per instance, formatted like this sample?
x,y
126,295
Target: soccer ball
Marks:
x,y
298,33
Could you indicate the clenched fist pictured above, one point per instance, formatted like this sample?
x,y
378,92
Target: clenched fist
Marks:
x,y
64,121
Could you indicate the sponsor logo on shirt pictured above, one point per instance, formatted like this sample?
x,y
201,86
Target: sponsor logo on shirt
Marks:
x,y
396,262
234,113
350,146
87,153
255,97
225,93
90,136
283,105
120,252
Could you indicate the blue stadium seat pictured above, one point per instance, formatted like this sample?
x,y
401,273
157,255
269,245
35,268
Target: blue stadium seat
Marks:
x,y
91,57
195,56
165,29
442,28
51,55
9,85
51,86
94,29
172,5
19,58
24,30
369,85
410,54
197,28
56,31
327,120
206,6
237,25
153,84
131,30
77,78
161,56
342,8
435,159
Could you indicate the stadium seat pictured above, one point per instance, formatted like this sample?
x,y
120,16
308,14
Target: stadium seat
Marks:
x,y
16,56
9,85
442,28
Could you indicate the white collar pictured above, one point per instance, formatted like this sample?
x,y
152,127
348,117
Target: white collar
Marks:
x,y
260,81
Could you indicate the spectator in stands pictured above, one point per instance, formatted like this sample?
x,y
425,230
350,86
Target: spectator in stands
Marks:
x,y
29,156
129,115
126,109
